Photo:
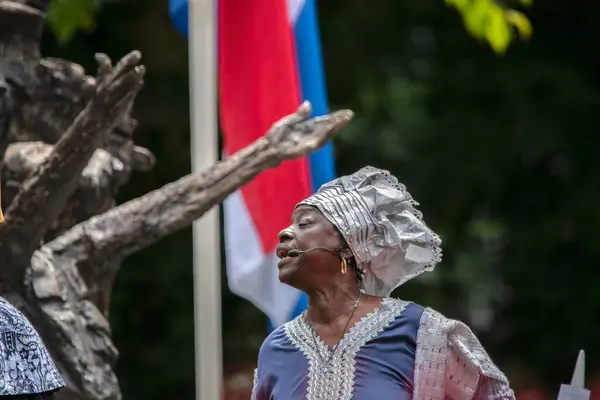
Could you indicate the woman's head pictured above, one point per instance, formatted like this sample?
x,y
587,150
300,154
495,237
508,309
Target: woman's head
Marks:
x,y
309,229
367,217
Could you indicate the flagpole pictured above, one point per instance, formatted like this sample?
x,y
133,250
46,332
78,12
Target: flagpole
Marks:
x,y
204,144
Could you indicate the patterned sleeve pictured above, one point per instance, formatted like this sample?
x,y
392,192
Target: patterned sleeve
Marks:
x,y
451,363
470,372
25,364
254,385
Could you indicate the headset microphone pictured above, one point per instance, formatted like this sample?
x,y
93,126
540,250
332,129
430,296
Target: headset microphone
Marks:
x,y
296,253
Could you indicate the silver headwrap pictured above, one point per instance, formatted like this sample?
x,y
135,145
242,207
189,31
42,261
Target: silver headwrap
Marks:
x,y
377,218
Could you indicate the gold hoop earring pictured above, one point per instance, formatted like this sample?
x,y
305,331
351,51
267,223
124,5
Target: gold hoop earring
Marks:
x,y
344,266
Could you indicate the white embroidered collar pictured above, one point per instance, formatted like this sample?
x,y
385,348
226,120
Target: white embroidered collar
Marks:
x,y
337,382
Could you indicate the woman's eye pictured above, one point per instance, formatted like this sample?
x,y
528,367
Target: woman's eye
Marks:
x,y
303,223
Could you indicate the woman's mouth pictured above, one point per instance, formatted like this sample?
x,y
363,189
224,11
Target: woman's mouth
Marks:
x,y
282,253
283,250
283,259
282,262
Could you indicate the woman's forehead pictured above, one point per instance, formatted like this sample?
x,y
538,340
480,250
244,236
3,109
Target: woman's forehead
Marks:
x,y
304,209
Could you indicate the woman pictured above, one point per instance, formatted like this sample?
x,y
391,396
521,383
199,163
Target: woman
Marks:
x,y
349,245
26,370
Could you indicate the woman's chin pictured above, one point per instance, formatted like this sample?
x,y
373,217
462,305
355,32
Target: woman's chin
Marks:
x,y
287,274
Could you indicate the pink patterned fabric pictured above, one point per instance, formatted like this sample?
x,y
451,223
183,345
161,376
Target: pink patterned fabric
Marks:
x,y
451,363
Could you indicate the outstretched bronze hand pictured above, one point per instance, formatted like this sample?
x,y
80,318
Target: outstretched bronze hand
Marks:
x,y
295,135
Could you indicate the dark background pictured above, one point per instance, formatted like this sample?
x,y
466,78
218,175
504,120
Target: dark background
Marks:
x,y
500,150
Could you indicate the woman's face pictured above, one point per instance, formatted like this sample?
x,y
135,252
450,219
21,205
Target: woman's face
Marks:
x,y
316,268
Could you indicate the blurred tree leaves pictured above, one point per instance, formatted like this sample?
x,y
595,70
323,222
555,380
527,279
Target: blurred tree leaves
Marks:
x,y
500,151
487,20
66,17
483,19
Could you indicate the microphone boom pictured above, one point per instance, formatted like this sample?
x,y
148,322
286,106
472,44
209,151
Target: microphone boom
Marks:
x,y
296,252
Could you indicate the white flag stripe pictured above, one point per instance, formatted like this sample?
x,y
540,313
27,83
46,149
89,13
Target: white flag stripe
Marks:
x,y
294,8
251,273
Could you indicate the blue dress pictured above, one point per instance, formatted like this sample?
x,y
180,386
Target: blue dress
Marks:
x,y
374,360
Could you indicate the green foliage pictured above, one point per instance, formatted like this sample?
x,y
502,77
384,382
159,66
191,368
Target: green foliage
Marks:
x,y
483,19
487,20
500,152
66,17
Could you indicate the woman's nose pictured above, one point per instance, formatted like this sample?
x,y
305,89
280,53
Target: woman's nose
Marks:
x,y
285,235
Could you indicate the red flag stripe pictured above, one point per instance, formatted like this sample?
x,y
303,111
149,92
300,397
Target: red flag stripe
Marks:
x,y
258,84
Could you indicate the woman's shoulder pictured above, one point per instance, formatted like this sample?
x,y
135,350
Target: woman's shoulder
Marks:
x,y
436,321
404,311
425,317
276,335
277,340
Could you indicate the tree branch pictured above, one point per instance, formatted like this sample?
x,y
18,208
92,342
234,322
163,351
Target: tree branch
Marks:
x,y
45,193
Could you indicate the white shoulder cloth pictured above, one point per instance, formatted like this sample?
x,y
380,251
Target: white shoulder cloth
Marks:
x,y
452,364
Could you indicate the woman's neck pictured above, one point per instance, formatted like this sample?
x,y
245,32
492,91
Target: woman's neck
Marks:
x,y
328,304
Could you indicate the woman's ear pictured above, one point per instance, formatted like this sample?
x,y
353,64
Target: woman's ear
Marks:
x,y
343,248
346,253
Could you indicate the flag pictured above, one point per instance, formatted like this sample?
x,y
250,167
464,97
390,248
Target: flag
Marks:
x,y
269,61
